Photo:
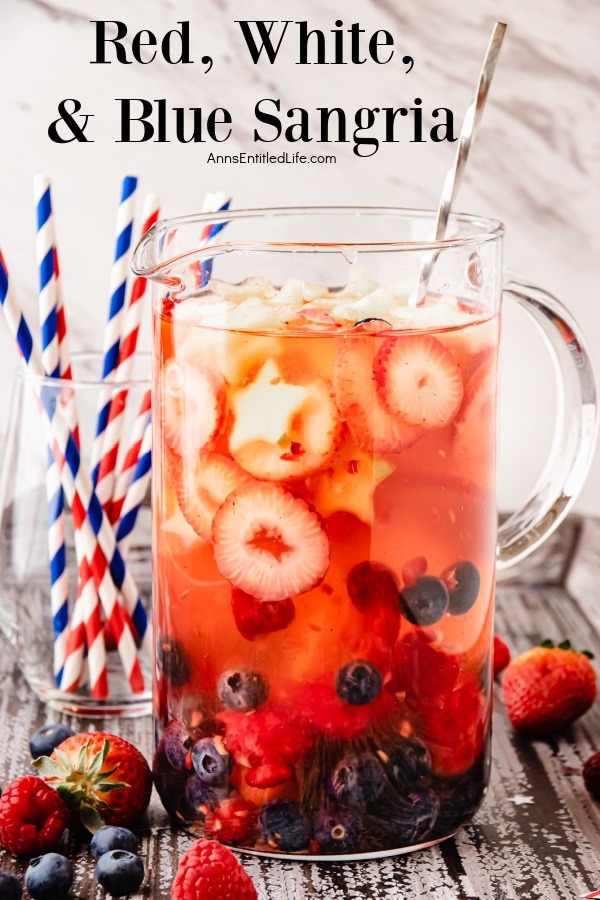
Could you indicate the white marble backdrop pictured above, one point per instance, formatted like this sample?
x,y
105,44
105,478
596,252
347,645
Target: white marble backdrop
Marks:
x,y
536,164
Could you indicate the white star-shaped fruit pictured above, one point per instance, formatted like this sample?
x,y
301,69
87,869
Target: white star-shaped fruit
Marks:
x,y
349,483
265,408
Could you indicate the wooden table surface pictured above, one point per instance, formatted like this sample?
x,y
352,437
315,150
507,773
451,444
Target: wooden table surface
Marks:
x,y
537,834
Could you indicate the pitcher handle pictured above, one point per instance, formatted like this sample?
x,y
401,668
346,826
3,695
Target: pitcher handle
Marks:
x,y
574,435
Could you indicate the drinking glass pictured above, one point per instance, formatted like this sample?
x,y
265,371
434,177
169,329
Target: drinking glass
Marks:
x,y
325,523
26,615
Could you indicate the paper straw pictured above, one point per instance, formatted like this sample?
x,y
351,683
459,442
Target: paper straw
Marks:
x,y
114,410
128,466
86,629
87,511
56,362
45,246
136,493
217,202
112,334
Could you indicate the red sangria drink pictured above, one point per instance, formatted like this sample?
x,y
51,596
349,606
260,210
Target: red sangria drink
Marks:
x,y
325,534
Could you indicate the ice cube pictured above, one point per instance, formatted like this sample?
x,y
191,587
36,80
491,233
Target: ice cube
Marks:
x,y
250,287
359,283
251,313
375,305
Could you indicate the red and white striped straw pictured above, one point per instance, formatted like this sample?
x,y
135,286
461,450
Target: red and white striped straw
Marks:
x,y
86,631
77,487
128,342
137,491
127,470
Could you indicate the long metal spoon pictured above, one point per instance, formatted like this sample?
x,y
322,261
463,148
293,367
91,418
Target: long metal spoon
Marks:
x,y
456,172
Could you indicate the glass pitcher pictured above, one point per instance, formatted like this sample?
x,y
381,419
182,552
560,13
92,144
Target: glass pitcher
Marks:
x,y
325,522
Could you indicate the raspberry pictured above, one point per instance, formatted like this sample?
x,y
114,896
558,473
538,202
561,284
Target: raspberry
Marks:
x,y
328,713
233,822
209,871
33,817
266,735
254,618
369,583
591,775
373,589
422,668
269,775
453,726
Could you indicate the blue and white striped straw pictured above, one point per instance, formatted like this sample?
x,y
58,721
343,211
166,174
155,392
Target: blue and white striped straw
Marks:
x,y
136,492
112,334
48,304
95,528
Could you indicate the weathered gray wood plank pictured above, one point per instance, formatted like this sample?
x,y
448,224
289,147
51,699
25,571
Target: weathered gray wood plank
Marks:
x,y
537,835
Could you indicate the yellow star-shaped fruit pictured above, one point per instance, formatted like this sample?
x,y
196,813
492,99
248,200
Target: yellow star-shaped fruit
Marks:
x,y
349,483
265,408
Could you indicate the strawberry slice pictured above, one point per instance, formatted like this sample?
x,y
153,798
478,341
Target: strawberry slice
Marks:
x,y
192,406
282,430
472,439
201,489
269,543
357,401
419,379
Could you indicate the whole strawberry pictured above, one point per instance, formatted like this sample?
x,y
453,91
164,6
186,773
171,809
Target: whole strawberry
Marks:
x,y
33,817
547,688
210,871
501,656
103,779
591,775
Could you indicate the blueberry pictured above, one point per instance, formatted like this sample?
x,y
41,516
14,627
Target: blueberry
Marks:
x,y
284,825
173,662
46,739
406,763
357,779
170,783
199,798
242,690
358,682
402,819
177,745
337,830
112,838
211,760
10,886
120,872
426,601
463,583
49,877
413,816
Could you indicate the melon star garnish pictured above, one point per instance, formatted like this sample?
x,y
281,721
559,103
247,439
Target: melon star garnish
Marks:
x,y
81,783
264,409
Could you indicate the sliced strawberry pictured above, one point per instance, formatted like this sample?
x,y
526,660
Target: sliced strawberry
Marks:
x,y
269,543
419,380
192,406
356,397
254,617
473,438
283,430
201,489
